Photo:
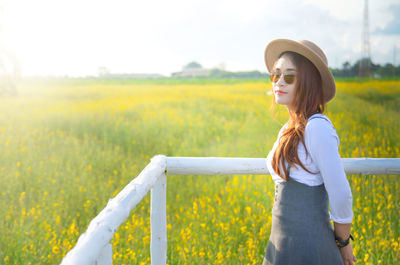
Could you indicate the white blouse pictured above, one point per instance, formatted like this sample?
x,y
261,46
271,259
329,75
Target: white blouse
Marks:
x,y
322,143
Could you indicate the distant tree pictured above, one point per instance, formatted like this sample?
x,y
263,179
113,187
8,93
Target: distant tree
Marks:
x,y
217,73
386,70
346,68
192,65
354,70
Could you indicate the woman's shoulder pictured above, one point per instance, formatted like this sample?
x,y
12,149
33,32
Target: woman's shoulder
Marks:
x,y
319,123
318,116
320,126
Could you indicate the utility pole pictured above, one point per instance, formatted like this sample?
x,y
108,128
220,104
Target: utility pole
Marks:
x,y
364,69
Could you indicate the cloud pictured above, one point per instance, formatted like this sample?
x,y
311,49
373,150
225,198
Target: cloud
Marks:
x,y
214,34
393,26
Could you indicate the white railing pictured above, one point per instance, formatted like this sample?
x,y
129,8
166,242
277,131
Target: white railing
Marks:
x,y
93,246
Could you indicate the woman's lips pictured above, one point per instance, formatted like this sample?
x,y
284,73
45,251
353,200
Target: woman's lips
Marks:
x,y
280,92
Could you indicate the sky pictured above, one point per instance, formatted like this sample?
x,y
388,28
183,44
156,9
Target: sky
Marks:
x,y
76,37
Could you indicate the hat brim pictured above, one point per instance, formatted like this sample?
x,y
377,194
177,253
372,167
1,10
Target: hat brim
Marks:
x,y
276,47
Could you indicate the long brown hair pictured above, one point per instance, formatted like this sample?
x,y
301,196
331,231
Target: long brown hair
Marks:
x,y
308,99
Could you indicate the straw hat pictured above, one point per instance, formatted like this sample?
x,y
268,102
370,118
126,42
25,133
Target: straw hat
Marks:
x,y
309,50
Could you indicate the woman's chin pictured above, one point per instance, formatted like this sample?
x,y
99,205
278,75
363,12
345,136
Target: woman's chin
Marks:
x,y
280,103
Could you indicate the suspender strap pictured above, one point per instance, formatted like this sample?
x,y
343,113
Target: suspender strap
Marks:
x,y
318,117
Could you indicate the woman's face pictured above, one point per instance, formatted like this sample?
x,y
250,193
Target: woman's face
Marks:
x,y
284,92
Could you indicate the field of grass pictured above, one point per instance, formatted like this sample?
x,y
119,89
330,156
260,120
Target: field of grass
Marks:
x,y
69,146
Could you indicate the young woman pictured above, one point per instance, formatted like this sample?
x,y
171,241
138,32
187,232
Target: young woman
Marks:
x,y
305,163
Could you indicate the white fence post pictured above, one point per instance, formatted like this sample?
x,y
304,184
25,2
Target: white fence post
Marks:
x,y
158,219
96,239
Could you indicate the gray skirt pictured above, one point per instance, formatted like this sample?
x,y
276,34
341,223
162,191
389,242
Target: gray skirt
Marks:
x,y
301,231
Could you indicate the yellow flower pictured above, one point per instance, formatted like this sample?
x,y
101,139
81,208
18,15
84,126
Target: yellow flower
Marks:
x,y
248,210
366,257
55,249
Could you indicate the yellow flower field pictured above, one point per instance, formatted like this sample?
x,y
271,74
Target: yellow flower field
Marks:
x,y
68,146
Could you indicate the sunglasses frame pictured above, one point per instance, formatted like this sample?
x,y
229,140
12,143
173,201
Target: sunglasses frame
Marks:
x,y
274,76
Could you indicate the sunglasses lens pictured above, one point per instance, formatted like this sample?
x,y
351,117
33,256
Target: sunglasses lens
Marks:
x,y
289,78
274,77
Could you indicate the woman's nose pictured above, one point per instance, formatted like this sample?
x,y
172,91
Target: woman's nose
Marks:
x,y
280,81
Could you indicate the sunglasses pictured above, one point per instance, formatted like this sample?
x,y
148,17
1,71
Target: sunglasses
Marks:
x,y
288,77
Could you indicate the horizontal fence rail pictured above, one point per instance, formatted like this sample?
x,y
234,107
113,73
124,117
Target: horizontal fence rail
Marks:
x,y
258,166
93,246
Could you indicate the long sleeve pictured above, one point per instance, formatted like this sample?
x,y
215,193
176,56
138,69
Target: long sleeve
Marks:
x,y
323,143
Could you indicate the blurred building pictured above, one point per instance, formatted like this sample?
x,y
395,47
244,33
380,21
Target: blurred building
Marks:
x,y
192,69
